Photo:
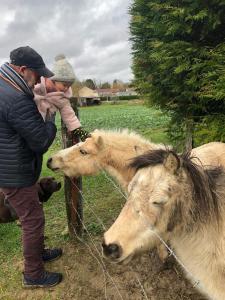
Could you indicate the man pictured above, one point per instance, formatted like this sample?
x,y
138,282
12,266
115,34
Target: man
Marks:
x,y
24,138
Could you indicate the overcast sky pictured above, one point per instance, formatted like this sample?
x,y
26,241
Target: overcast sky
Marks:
x,y
93,34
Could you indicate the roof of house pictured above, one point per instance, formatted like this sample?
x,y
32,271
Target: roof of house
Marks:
x,y
108,91
85,92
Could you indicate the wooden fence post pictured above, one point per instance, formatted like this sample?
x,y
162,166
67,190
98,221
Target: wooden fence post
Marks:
x,y
73,199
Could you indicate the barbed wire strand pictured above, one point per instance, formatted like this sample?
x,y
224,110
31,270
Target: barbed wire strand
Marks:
x,y
139,282
93,243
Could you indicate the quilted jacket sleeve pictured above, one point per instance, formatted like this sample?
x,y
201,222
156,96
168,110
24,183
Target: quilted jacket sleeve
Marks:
x,y
25,119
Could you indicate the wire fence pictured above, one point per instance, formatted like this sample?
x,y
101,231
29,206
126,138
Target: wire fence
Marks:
x,y
99,257
95,252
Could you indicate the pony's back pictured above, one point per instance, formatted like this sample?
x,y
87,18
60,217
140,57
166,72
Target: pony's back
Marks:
x,y
210,154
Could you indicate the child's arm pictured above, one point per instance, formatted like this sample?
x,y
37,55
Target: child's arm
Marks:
x,y
68,115
71,121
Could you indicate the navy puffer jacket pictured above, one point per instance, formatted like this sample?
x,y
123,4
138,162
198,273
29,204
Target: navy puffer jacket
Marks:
x,y
24,137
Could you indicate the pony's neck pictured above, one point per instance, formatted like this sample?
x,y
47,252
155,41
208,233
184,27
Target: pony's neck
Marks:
x,y
118,168
199,243
117,156
119,149
202,252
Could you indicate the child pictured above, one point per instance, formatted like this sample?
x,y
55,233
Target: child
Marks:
x,y
53,94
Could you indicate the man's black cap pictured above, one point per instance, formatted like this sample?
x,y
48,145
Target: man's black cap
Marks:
x,y
26,56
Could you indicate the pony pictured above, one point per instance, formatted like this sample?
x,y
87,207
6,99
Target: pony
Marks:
x,y
112,151
173,198
104,150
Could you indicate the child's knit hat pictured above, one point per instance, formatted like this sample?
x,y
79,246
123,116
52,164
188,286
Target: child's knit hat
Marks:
x,y
63,70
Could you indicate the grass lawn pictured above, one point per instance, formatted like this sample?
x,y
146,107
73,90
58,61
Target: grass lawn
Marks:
x,y
99,193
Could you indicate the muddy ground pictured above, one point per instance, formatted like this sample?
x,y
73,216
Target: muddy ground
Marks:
x,y
84,278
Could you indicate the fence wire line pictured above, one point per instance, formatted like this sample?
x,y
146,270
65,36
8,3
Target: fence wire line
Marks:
x,y
139,282
99,254
89,206
114,184
197,282
95,257
119,189
142,287
111,180
93,243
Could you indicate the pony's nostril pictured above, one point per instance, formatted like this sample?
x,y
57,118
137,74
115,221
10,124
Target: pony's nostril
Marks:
x,y
49,162
111,250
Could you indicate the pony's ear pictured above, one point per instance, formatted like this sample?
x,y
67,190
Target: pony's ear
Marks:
x,y
95,131
171,162
100,143
138,150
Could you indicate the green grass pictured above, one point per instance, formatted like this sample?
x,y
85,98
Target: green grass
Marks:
x,y
148,122
99,193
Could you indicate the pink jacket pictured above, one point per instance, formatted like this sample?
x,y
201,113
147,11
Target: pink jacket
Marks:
x,y
55,101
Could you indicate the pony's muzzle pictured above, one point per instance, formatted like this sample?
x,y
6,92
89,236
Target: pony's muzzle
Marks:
x,y
112,251
49,163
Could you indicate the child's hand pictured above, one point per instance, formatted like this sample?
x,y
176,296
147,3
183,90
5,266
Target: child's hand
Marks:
x,y
81,133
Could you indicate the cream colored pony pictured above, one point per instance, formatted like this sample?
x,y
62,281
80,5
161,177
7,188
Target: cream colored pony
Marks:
x,y
110,151
171,197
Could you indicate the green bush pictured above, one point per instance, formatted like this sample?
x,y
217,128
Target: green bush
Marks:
x,y
103,98
132,97
210,129
129,97
178,50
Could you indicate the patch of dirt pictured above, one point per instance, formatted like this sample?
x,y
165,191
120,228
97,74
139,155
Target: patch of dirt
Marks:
x,y
85,279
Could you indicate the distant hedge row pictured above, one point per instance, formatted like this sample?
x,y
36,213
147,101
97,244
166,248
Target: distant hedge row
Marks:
x,y
129,97
120,98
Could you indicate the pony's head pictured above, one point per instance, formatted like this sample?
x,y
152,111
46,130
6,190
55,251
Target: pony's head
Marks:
x,y
168,195
80,159
104,148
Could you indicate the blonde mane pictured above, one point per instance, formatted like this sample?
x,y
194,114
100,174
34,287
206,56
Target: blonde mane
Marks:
x,y
124,138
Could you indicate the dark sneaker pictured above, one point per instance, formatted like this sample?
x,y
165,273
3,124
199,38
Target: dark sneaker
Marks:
x,y
51,254
48,280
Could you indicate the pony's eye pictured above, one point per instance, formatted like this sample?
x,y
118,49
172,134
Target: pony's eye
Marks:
x,y
157,203
83,152
138,212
